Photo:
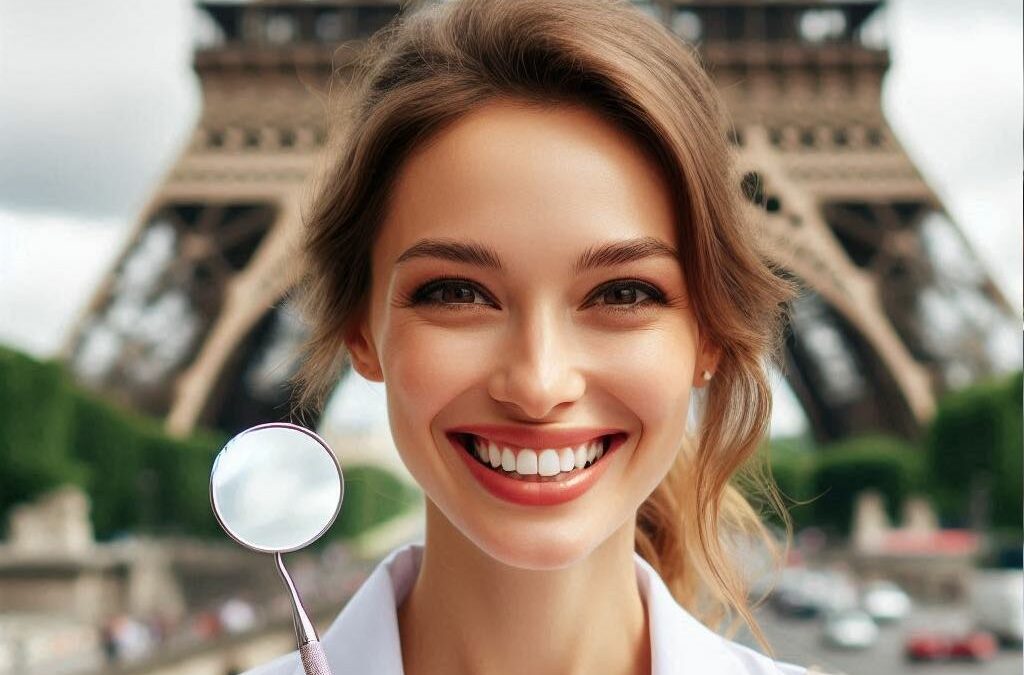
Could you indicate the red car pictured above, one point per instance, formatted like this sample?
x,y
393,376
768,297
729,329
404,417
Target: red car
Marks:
x,y
976,646
973,646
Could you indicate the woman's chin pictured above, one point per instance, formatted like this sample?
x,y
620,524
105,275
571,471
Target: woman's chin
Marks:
x,y
546,548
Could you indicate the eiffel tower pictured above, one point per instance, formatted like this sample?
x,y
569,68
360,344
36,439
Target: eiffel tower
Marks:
x,y
193,322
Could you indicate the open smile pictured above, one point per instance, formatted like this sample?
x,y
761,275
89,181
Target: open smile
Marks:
x,y
528,476
541,465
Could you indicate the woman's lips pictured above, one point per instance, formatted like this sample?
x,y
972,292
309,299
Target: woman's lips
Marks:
x,y
535,490
546,464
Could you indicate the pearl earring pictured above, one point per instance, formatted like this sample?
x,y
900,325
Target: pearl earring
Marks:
x,y
707,375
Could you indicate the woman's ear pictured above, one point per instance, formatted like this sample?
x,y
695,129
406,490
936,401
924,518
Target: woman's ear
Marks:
x,y
707,363
362,352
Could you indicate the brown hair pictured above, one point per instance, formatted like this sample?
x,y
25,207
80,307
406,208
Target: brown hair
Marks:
x,y
434,65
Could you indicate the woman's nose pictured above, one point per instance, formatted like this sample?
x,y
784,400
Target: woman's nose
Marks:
x,y
538,369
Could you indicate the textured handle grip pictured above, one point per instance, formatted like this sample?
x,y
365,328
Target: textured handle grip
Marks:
x,y
314,662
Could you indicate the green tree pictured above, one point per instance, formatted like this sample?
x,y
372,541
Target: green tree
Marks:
x,y
842,470
35,428
137,477
791,461
975,450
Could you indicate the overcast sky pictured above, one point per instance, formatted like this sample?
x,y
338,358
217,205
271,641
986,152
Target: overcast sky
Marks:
x,y
96,99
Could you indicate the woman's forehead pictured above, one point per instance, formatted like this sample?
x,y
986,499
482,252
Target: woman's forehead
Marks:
x,y
521,177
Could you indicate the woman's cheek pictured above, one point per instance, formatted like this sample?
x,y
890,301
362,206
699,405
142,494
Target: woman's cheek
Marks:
x,y
653,383
651,371
429,365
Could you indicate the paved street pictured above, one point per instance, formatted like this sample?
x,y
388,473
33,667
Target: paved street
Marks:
x,y
799,641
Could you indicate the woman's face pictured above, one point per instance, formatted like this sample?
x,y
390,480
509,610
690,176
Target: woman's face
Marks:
x,y
535,331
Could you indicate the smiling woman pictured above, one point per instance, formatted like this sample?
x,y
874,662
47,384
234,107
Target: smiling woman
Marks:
x,y
532,235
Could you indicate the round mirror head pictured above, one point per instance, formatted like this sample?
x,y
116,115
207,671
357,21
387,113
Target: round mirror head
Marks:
x,y
276,487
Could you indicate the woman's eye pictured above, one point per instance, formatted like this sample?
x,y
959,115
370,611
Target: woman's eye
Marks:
x,y
615,296
628,294
448,292
622,295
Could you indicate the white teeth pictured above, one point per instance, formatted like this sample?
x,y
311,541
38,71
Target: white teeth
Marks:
x,y
566,459
508,460
548,463
526,462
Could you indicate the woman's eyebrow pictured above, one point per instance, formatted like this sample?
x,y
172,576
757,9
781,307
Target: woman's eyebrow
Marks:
x,y
602,255
467,252
626,250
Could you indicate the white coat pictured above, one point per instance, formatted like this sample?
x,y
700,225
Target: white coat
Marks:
x,y
363,640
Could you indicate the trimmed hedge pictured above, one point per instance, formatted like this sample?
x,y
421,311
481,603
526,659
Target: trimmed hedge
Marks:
x,y
892,466
137,477
820,486
975,443
791,463
36,413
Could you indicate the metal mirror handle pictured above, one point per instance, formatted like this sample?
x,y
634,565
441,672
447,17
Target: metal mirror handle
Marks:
x,y
314,661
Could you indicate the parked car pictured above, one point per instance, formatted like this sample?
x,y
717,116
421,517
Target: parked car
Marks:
x,y
807,593
793,602
926,647
791,596
936,646
850,629
885,601
996,603
977,645
834,591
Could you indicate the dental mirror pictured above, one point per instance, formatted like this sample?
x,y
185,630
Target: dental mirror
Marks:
x,y
276,488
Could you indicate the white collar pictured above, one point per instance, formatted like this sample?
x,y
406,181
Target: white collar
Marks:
x,y
364,637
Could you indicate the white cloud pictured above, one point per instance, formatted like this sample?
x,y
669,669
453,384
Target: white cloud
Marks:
x,y
954,98
97,99
50,265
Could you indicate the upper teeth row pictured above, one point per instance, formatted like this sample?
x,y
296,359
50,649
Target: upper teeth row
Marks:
x,y
547,462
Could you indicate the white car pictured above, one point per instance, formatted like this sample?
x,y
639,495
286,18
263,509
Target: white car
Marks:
x,y
996,603
885,601
810,592
850,629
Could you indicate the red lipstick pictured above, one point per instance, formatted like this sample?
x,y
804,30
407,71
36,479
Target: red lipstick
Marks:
x,y
532,492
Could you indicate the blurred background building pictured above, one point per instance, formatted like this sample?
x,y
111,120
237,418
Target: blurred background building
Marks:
x,y
193,326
